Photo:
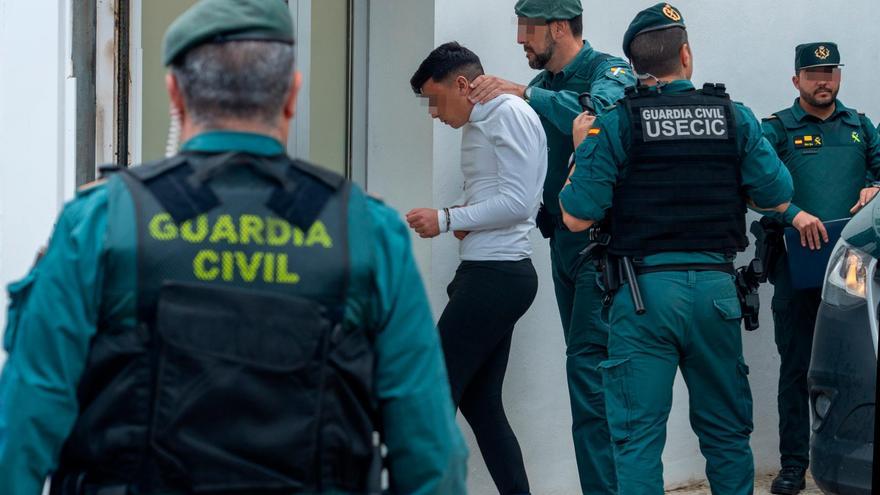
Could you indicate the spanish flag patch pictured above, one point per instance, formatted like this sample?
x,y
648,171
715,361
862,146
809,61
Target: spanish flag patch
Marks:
x,y
808,141
594,132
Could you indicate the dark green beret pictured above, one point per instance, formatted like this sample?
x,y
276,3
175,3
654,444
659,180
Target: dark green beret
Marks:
x,y
660,16
822,54
215,21
549,9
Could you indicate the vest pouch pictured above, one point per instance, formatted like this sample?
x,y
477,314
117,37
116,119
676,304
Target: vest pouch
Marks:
x,y
237,402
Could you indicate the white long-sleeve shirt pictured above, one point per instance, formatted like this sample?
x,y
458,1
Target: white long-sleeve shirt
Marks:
x,y
504,160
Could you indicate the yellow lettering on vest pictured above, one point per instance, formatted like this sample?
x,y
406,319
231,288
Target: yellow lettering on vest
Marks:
x,y
269,268
248,268
200,232
228,266
318,235
277,232
251,228
200,265
162,228
299,237
224,230
282,275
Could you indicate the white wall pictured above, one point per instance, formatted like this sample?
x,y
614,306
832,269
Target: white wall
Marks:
x,y
36,97
747,44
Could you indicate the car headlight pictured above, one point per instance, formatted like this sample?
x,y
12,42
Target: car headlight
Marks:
x,y
846,282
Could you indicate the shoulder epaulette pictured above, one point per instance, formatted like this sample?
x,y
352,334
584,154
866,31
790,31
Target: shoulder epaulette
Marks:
x,y
90,186
772,117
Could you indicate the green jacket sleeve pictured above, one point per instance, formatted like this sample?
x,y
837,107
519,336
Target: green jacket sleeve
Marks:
x,y
598,161
52,318
775,136
872,141
426,452
609,82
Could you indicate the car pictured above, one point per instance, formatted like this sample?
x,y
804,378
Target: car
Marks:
x,y
843,368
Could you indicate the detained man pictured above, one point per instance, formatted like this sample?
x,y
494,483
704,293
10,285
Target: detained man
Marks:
x,y
504,160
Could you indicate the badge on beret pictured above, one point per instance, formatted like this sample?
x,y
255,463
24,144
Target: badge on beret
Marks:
x,y
822,52
670,12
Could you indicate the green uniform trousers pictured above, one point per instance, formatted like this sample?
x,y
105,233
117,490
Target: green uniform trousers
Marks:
x,y
586,338
794,319
692,323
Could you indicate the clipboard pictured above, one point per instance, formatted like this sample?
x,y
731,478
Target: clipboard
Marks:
x,y
807,267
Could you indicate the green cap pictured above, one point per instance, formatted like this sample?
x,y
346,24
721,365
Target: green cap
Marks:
x,y
216,21
823,54
549,9
660,16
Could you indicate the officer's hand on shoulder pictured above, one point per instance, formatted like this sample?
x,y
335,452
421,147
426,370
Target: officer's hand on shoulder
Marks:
x,y
581,127
812,230
865,197
486,88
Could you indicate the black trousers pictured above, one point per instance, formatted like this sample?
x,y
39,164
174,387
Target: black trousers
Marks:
x,y
794,318
486,298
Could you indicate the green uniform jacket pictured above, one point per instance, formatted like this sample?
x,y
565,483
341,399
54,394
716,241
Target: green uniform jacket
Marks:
x,y
54,314
830,161
602,158
555,98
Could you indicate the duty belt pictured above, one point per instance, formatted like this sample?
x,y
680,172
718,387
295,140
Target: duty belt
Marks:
x,y
686,267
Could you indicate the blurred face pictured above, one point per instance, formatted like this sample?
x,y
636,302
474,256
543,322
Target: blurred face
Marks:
x,y
818,85
447,100
535,37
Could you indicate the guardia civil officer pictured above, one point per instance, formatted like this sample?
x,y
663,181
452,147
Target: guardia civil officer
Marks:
x,y
230,319
550,32
671,169
832,152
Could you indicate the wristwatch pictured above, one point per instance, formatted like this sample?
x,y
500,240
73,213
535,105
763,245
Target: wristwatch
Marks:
x,y
527,94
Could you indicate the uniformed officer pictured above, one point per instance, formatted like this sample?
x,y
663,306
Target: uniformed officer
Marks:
x,y
671,169
214,322
550,32
830,150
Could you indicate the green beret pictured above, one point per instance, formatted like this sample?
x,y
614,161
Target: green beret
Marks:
x,y
822,54
660,16
549,9
216,21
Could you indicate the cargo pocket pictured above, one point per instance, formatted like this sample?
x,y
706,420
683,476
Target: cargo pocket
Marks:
x,y
238,387
18,294
745,394
729,308
618,397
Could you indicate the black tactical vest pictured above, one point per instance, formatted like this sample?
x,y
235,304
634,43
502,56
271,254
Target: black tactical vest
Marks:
x,y
683,186
241,376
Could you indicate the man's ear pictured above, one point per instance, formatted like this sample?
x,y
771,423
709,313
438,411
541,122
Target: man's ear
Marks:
x,y
290,103
464,86
796,81
557,29
686,57
175,94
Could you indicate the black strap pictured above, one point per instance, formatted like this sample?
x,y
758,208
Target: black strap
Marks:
x,y
687,267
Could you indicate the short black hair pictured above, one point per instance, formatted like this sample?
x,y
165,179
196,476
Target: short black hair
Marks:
x,y
576,24
443,61
656,52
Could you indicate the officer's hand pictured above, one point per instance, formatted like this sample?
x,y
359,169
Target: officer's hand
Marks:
x,y
581,127
460,234
865,197
812,230
424,222
487,88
